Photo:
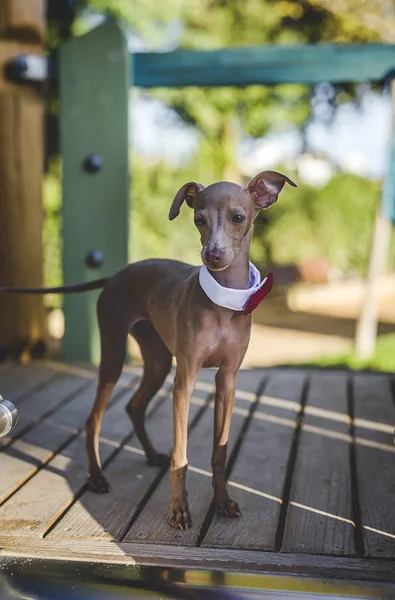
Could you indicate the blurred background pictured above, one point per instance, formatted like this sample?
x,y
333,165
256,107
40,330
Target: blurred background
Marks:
x,y
332,140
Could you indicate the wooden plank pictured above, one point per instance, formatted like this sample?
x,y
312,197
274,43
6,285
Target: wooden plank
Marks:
x,y
33,508
90,372
375,459
20,380
107,516
38,504
93,119
229,562
43,401
305,63
39,444
51,397
151,526
5,367
86,369
21,460
258,476
320,514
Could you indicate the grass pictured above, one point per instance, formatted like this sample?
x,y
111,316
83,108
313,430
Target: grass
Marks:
x,y
382,360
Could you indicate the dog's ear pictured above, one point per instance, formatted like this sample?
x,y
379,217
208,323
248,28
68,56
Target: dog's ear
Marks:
x,y
188,192
266,186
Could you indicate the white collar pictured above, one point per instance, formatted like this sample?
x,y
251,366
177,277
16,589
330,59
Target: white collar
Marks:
x,y
229,297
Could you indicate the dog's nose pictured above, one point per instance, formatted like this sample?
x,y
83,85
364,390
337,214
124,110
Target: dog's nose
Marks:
x,y
214,257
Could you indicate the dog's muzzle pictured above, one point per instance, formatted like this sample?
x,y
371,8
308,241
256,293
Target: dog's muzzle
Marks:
x,y
8,417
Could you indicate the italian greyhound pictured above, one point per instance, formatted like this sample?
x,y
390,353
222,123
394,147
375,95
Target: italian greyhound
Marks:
x,y
199,315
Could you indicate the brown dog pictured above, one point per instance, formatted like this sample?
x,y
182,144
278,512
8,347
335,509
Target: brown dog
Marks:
x,y
197,314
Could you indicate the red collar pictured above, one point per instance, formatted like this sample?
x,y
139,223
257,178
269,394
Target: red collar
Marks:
x,y
256,298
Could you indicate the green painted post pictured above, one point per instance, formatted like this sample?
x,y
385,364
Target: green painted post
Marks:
x,y
94,91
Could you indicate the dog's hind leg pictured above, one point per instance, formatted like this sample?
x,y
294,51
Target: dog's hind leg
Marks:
x,y
113,335
157,364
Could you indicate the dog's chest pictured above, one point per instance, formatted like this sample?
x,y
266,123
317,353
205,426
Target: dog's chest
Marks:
x,y
226,341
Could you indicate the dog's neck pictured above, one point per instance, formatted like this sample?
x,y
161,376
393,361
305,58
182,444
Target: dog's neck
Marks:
x,y
237,275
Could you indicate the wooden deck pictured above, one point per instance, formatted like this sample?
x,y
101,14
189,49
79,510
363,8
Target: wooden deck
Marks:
x,y
312,460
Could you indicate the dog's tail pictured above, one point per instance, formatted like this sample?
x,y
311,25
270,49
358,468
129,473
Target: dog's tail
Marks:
x,y
96,284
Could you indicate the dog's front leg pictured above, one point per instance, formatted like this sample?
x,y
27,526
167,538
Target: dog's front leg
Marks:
x,y
184,384
225,382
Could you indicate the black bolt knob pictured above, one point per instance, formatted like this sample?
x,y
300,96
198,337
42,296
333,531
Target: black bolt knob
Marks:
x,y
94,259
93,163
15,68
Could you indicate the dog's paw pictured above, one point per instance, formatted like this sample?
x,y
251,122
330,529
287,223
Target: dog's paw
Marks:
x,y
98,484
159,460
180,518
228,508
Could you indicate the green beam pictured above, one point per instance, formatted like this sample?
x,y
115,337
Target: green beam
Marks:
x,y
264,65
94,93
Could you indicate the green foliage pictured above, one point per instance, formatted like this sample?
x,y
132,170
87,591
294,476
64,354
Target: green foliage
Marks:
x,y
149,18
254,110
210,24
152,234
258,109
52,231
382,360
334,222
358,20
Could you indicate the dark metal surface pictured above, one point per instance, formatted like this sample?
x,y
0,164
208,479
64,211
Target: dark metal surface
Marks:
x,y
37,579
8,417
94,259
93,163
27,67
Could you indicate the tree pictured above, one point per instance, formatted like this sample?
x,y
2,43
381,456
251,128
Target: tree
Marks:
x,y
359,20
222,116
376,21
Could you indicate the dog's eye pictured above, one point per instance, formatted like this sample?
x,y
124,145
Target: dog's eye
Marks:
x,y
237,219
199,221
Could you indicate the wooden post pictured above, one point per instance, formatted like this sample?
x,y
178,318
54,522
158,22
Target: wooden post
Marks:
x,y
22,318
366,331
94,92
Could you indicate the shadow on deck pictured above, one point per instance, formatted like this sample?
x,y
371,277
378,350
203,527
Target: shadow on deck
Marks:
x,y
311,464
